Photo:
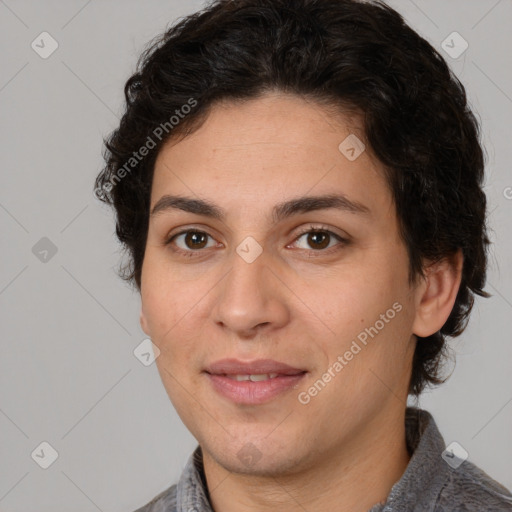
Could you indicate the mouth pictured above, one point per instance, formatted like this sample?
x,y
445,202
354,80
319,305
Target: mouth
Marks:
x,y
255,382
258,377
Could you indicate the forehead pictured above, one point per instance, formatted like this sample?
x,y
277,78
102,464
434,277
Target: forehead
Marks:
x,y
269,148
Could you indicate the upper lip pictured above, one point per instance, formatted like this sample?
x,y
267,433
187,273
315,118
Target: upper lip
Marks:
x,y
256,367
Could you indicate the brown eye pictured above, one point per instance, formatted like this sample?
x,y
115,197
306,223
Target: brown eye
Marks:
x,y
190,241
318,240
195,239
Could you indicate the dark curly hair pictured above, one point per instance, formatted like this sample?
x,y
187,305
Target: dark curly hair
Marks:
x,y
357,55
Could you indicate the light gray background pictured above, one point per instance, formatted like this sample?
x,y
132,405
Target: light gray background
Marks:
x,y
68,375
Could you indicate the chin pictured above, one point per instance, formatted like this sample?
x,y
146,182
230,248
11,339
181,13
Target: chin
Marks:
x,y
258,459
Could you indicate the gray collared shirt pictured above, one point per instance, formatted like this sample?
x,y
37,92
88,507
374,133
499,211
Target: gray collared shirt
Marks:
x,y
429,483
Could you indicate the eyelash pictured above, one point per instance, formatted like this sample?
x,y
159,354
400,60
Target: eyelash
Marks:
x,y
311,229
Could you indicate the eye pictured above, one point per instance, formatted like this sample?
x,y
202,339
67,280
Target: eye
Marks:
x,y
191,240
320,239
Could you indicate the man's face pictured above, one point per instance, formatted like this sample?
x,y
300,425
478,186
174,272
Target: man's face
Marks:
x,y
307,300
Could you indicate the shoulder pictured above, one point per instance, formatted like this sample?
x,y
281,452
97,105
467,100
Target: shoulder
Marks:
x,y
470,489
163,502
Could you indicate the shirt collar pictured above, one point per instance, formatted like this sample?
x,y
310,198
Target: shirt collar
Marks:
x,y
425,471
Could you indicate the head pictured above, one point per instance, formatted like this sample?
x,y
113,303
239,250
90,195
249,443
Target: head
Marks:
x,y
232,130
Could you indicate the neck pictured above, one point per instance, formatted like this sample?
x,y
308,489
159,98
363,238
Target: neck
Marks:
x,y
353,477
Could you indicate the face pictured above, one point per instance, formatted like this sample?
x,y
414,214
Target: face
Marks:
x,y
312,299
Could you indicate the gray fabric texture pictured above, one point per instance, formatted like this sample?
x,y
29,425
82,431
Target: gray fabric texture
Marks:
x,y
429,484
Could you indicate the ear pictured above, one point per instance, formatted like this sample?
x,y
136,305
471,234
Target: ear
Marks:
x,y
143,322
436,294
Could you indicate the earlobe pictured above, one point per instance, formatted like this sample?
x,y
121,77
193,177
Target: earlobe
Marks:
x,y
437,294
144,323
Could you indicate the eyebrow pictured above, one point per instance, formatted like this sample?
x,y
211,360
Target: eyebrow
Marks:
x,y
280,211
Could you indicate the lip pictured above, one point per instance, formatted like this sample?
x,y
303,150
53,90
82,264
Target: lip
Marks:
x,y
258,366
249,392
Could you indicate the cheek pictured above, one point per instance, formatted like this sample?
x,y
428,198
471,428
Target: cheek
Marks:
x,y
345,300
366,307
176,313
167,299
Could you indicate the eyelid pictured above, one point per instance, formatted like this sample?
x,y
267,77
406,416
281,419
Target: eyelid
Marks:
x,y
322,228
186,229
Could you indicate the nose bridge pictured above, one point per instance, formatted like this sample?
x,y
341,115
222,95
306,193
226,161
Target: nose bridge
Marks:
x,y
249,295
247,280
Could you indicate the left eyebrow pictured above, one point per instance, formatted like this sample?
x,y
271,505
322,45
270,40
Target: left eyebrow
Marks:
x,y
280,211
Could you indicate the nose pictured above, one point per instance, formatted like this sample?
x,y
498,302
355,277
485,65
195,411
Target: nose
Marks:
x,y
251,299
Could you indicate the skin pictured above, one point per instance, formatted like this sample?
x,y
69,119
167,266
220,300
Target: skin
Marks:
x,y
345,448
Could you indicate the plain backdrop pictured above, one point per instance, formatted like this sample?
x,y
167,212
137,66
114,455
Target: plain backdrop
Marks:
x,y
68,373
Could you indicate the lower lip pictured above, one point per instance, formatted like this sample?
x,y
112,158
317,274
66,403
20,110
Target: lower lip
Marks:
x,y
253,393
